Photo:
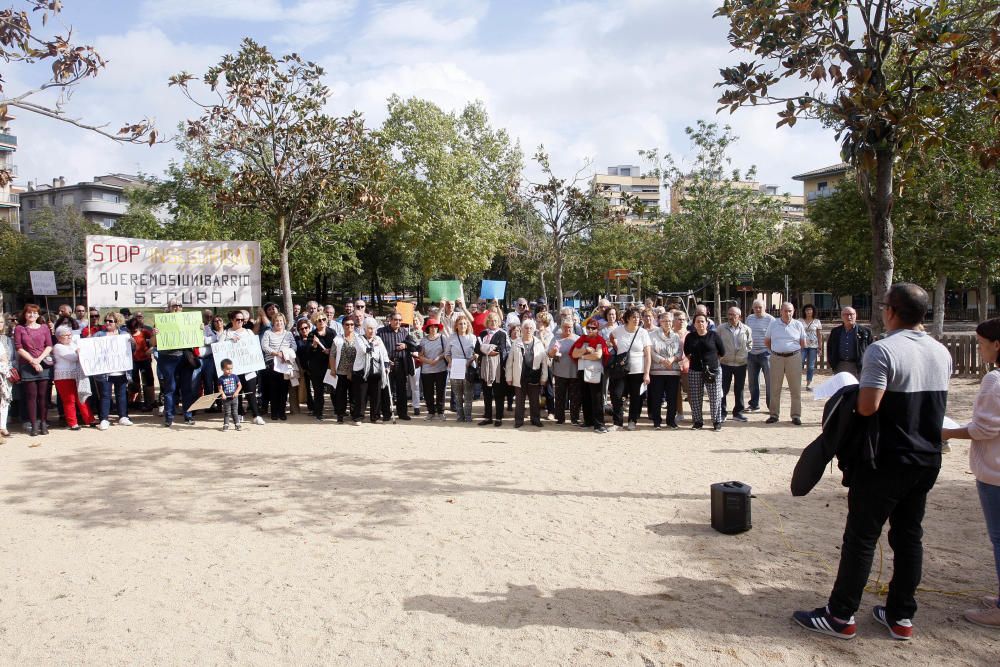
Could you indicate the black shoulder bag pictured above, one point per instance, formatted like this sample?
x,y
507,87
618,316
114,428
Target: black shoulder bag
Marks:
x,y
618,365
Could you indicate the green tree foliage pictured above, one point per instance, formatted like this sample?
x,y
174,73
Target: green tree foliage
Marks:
x,y
838,241
878,69
307,172
59,236
568,212
452,177
725,227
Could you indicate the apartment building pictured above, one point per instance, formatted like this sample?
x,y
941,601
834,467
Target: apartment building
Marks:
x,y
103,200
627,181
792,206
10,204
823,182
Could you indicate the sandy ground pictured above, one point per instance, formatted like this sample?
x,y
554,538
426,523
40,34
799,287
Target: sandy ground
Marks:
x,y
449,544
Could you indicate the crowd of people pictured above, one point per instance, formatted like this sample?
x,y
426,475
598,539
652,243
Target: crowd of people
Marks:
x,y
530,362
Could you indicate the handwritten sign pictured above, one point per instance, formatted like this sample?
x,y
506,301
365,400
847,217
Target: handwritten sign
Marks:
x,y
105,354
493,289
405,309
179,330
43,283
245,353
450,290
145,274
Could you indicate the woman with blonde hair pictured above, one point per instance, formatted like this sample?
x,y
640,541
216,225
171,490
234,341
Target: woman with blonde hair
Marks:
x,y
278,346
114,384
461,353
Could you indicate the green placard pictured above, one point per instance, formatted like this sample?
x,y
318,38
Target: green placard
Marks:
x,y
179,330
444,289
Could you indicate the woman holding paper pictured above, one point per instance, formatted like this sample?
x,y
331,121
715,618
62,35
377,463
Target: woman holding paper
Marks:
x,y
984,457
493,347
115,384
630,340
67,375
564,368
460,355
433,368
236,332
278,346
591,353
33,342
342,366
319,342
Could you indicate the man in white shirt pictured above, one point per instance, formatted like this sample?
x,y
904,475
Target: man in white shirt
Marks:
x,y
759,359
785,339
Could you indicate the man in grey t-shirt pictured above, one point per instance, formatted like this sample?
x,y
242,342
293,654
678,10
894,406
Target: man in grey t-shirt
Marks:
x,y
904,389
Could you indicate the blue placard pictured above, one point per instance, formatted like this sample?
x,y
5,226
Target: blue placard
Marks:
x,y
493,289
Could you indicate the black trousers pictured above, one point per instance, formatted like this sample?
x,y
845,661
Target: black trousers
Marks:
x,y
493,394
276,387
591,401
626,386
432,385
366,390
663,387
316,375
532,392
250,391
567,390
897,494
341,394
737,376
399,381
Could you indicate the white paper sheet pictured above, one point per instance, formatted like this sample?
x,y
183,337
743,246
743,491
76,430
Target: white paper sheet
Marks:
x,y
950,423
458,367
833,385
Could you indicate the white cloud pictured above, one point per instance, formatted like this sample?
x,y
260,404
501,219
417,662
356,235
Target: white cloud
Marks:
x,y
418,22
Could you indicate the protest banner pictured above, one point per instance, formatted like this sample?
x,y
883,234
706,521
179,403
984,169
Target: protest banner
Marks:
x,y
450,290
105,354
245,353
405,308
146,274
179,330
493,289
43,283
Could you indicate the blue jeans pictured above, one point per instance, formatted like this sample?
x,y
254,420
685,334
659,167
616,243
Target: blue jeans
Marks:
x,y
757,363
989,498
809,355
190,379
167,366
119,385
209,376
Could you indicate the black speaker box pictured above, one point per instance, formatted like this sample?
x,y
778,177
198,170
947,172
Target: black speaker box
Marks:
x,y
731,507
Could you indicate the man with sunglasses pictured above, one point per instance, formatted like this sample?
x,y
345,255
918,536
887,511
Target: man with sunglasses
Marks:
x,y
401,346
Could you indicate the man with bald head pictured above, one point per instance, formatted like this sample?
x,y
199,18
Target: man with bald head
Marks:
x,y
846,344
785,339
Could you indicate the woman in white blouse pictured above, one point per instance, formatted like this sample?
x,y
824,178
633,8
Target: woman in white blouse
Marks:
x,y
632,340
814,342
278,345
67,374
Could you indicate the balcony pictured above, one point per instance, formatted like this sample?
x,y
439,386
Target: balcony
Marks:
x,y
11,169
7,200
104,207
8,140
820,194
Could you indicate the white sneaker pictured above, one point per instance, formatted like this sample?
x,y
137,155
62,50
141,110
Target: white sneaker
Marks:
x,y
124,421
259,421
631,426
159,410
239,419
103,426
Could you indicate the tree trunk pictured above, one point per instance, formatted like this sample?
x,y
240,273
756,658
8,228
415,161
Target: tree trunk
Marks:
x,y
718,302
541,282
286,278
937,328
983,302
879,199
559,286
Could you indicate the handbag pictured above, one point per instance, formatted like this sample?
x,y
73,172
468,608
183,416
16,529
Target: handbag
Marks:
x,y
710,375
618,366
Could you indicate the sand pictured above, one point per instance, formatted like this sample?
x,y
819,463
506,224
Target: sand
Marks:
x,y
450,544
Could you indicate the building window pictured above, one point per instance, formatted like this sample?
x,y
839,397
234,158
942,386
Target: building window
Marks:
x,y
821,186
32,203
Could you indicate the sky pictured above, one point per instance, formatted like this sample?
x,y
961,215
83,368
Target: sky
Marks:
x,y
595,82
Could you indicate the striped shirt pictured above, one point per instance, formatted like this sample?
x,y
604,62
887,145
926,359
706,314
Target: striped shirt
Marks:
x,y
758,329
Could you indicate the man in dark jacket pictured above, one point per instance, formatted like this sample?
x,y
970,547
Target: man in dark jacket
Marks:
x,y
846,344
400,345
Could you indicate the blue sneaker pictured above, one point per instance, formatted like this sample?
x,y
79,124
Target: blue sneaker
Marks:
x,y
820,620
901,629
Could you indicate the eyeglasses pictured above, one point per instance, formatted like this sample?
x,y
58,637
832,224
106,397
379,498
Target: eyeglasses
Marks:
x,y
321,319
109,321
239,319
360,306
348,324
